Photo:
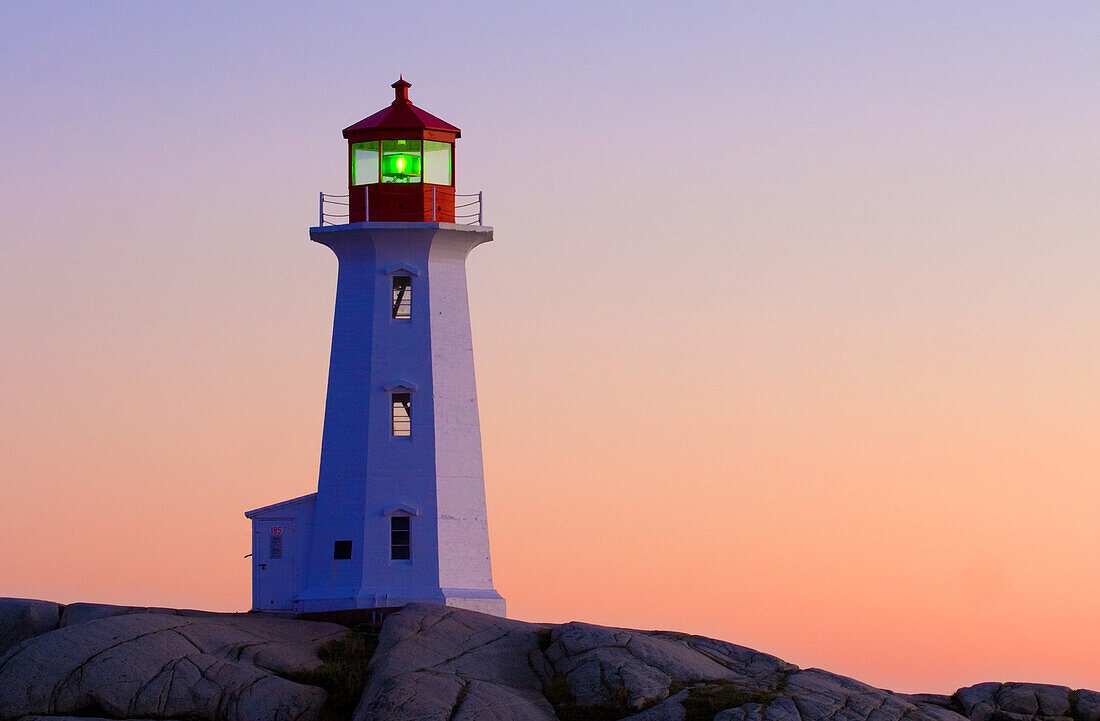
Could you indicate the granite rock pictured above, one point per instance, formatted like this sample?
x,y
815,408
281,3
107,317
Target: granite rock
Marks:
x,y
77,613
219,668
608,666
23,618
671,709
434,663
81,718
440,662
1087,705
782,709
1015,702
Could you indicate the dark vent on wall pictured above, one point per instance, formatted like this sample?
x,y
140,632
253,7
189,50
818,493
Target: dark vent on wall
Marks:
x,y
341,550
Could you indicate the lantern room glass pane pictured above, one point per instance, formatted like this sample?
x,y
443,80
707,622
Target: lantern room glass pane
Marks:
x,y
364,163
437,162
401,161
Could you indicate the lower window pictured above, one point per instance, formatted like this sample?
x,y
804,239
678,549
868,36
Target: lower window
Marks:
x,y
399,538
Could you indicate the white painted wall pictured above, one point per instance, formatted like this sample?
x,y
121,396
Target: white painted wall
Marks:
x,y
365,472
460,484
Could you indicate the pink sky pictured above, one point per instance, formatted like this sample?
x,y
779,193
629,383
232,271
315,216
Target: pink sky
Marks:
x,y
788,337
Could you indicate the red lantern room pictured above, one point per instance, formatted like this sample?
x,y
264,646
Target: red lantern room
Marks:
x,y
401,165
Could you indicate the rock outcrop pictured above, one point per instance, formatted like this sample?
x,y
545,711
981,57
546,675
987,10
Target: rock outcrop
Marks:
x,y
161,665
22,619
443,664
1027,701
435,663
439,662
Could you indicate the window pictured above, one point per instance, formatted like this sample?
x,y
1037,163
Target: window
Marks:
x,y
401,161
402,296
399,538
437,162
402,419
275,546
341,550
364,163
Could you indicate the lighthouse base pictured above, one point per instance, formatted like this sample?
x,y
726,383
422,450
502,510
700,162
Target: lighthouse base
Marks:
x,y
472,599
281,538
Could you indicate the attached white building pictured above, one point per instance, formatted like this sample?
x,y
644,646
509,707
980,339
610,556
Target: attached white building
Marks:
x,y
399,512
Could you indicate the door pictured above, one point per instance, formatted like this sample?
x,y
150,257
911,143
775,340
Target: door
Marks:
x,y
274,562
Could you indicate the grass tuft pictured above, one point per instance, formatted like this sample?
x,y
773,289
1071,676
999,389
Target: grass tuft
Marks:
x,y
343,673
705,700
566,707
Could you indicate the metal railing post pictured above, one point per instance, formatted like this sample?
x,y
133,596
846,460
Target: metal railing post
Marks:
x,y
321,210
433,203
480,207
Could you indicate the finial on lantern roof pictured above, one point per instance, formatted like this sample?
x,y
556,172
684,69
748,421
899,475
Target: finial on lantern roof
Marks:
x,y
401,90
400,115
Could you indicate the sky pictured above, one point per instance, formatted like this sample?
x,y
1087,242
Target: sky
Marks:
x,y
788,335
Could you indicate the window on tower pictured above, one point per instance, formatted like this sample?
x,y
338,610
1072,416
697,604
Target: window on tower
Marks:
x,y
341,550
402,296
402,419
400,531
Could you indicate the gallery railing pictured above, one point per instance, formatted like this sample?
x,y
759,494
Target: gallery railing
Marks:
x,y
329,205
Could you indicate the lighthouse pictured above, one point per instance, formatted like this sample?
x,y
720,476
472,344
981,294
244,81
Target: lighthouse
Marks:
x,y
399,513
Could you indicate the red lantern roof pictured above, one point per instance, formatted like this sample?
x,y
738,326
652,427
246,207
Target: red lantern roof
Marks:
x,y
401,115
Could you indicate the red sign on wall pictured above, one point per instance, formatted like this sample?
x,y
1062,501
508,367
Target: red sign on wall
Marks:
x,y
276,530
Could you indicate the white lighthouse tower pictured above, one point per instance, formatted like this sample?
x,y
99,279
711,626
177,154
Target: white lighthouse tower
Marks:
x,y
399,512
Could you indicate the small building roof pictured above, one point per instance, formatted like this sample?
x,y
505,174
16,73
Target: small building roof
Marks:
x,y
401,115
281,504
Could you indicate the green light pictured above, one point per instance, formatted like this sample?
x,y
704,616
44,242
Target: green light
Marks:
x,y
401,161
401,165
